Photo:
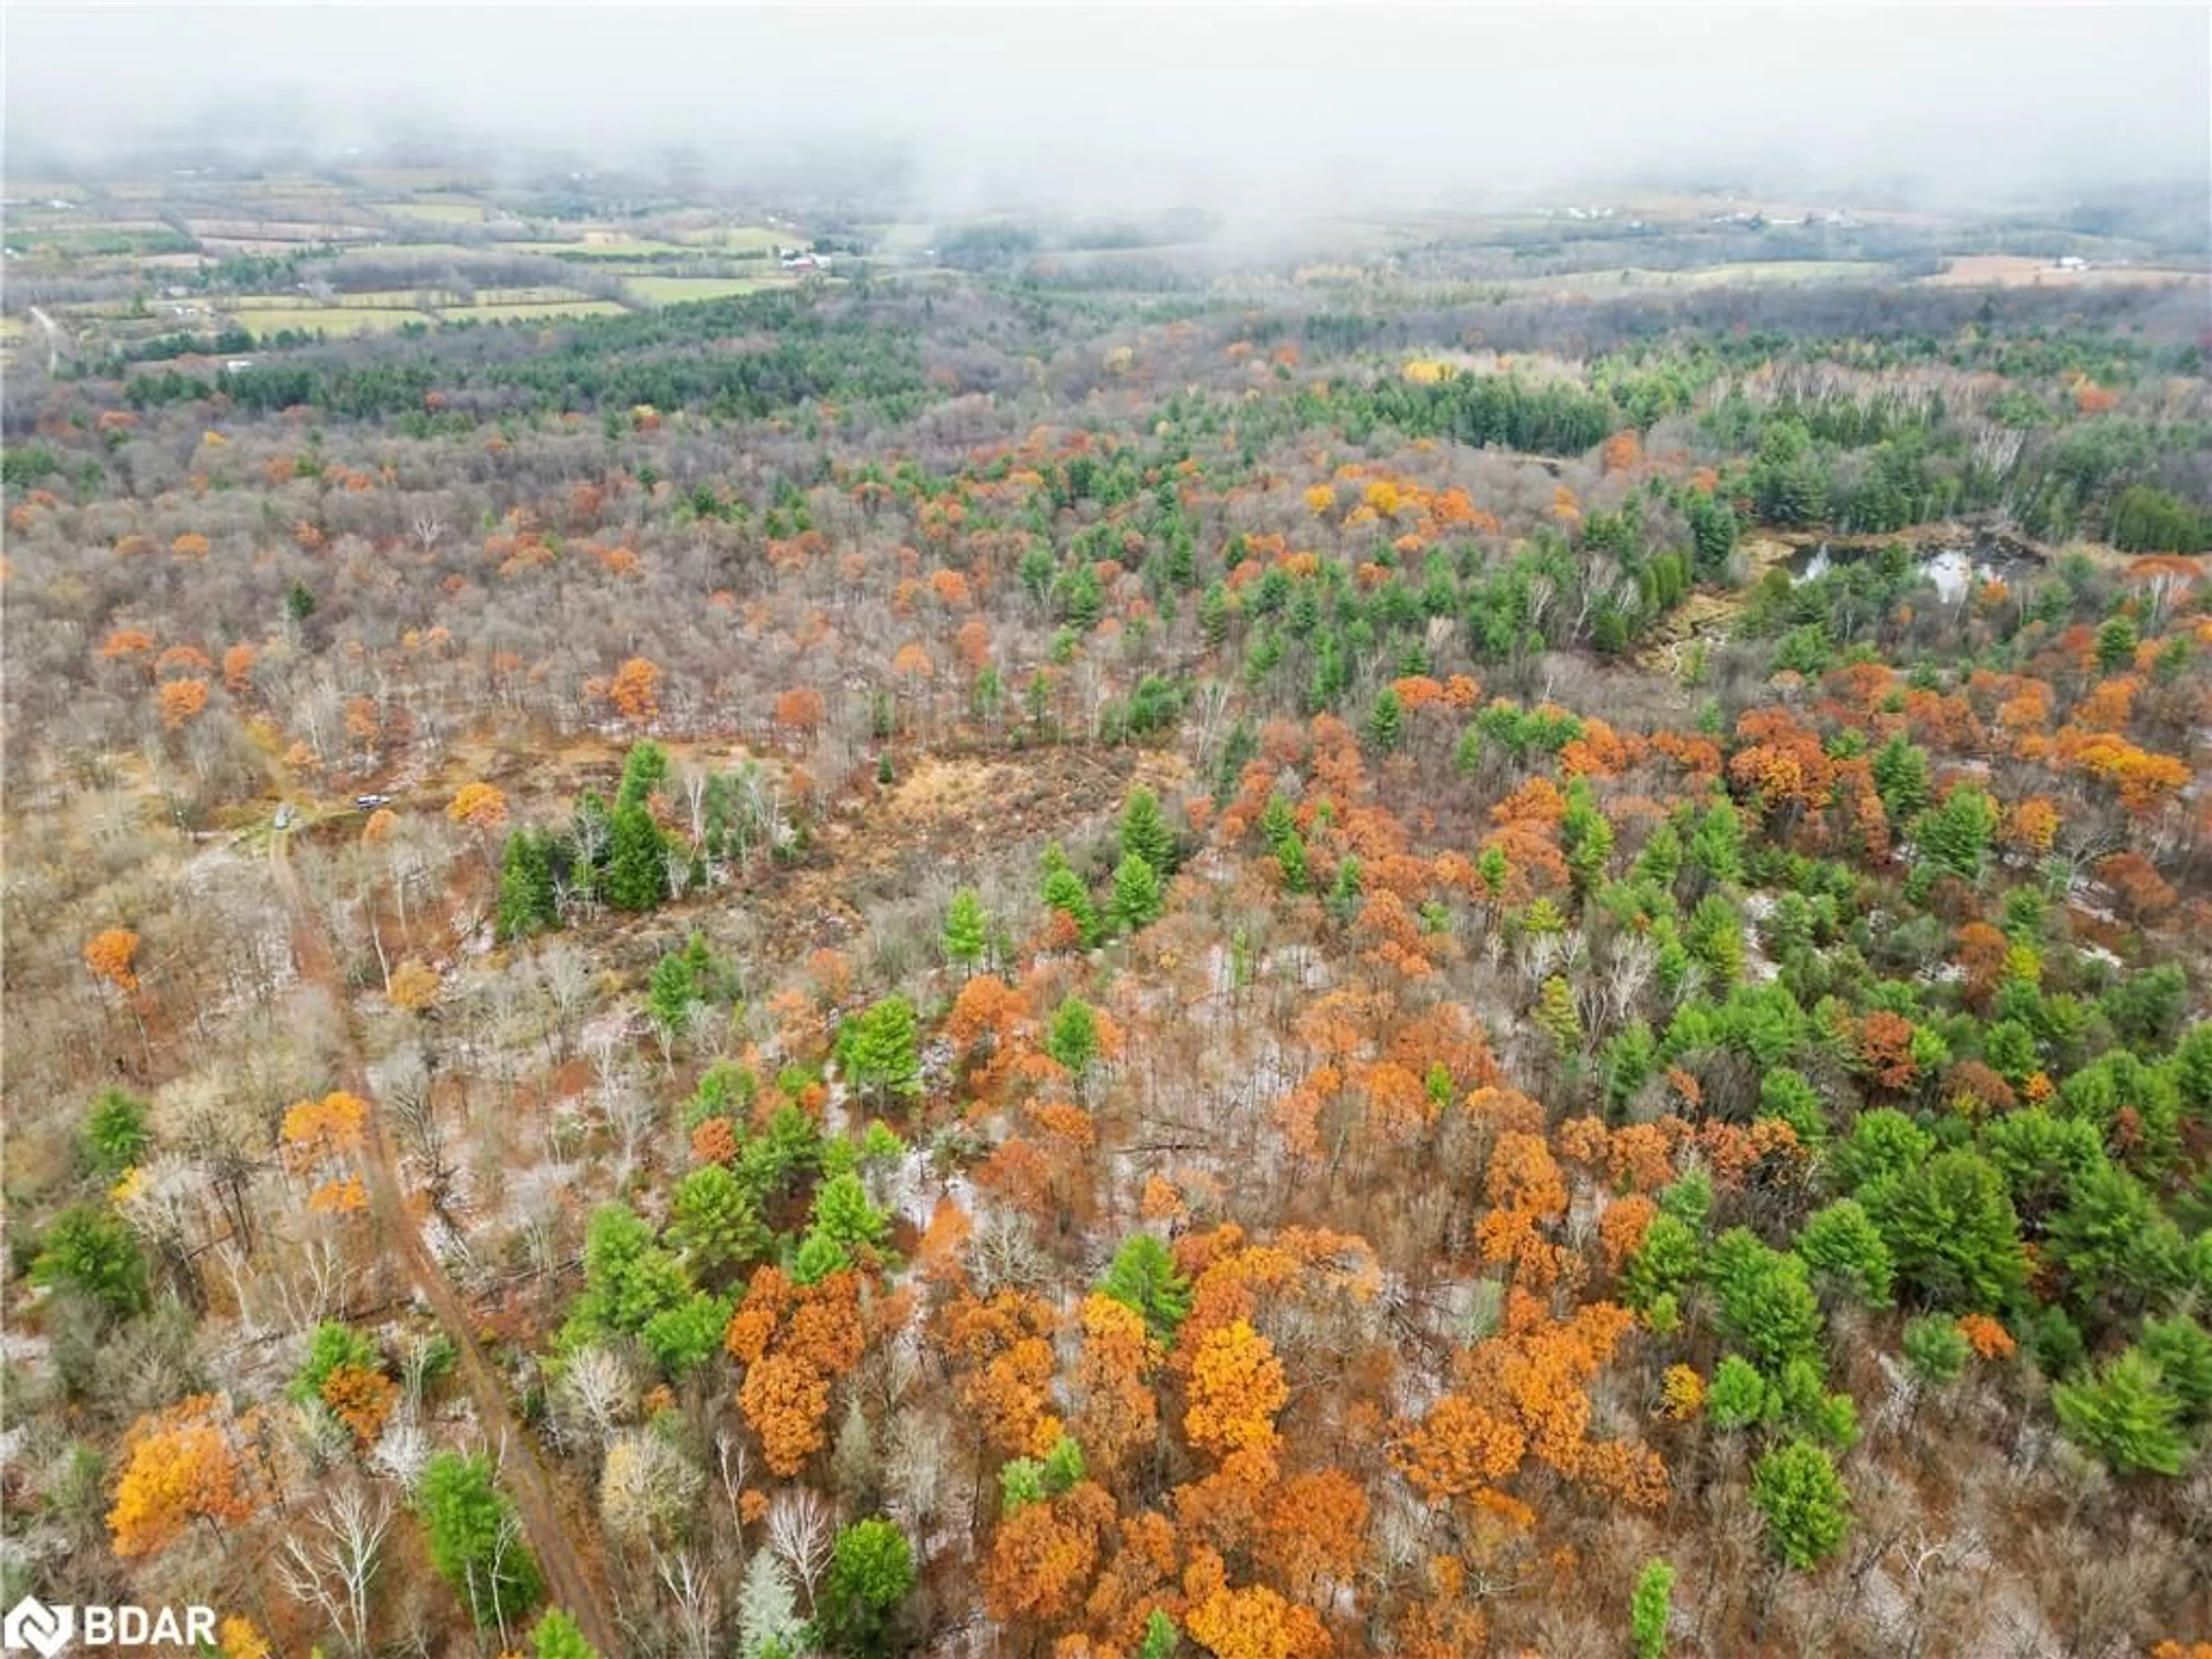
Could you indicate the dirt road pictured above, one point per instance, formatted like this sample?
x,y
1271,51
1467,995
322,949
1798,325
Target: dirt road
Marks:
x,y
569,1582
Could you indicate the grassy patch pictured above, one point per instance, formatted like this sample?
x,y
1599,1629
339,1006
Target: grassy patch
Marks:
x,y
539,314
442,213
624,247
676,290
331,319
749,237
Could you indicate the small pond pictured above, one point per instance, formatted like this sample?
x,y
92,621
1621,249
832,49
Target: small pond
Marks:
x,y
1954,570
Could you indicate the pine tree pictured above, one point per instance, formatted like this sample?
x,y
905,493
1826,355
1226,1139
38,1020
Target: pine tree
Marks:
x,y
1144,1279
879,1050
1386,721
1145,832
114,1134
1648,1609
637,865
669,996
1137,897
475,1539
767,1609
1063,890
1841,1244
2116,644
1213,615
526,902
558,1637
966,930
1955,835
1903,779
1935,1350
714,1221
1073,1038
2126,1414
1808,1511
1557,1014
871,1573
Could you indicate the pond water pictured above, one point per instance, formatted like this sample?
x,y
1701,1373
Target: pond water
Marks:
x,y
1953,570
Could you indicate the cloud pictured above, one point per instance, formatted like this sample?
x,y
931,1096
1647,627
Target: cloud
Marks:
x,y
1131,105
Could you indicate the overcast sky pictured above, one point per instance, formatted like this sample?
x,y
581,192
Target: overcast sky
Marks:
x,y
1128,104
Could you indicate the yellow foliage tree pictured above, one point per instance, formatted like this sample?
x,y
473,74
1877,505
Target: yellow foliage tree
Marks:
x,y
1236,1387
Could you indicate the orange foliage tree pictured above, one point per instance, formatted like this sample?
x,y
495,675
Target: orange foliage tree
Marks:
x,y
112,955
191,1462
634,689
479,806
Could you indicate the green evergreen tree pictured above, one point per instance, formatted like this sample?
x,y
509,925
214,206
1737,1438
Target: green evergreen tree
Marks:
x,y
1956,834
1161,1639
1662,1264
2126,1414
871,1573
628,1277
1736,1396
644,768
2181,1349
528,902
966,930
1138,899
475,1539
114,1134
1648,1609
1213,615
1841,1244
1808,1511
682,1338
670,994
879,1051
1716,849
1935,1350
714,1221
1386,721
637,862
2116,644
1766,1299
1145,832
1952,1232
92,1252
1143,1278
1072,1037
1063,890
843,1215
1904,780
558,1637
1557,1015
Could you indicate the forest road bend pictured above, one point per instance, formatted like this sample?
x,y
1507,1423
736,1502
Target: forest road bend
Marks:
x,y
569,1583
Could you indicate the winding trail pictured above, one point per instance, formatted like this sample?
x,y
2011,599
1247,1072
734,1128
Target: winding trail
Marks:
x,y
570,1583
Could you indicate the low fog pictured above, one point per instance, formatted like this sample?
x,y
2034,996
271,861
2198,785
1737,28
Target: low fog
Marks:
x,y
1241,110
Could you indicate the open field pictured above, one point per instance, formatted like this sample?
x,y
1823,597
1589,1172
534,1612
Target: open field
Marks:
x,y
676,290
743,237
545,311
2017,271
446,213
601,245
331,319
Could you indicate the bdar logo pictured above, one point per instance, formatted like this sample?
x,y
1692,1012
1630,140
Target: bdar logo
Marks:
x,y
32,1624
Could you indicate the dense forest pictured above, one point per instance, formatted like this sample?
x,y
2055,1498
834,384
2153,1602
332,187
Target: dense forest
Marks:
x,y
964,964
